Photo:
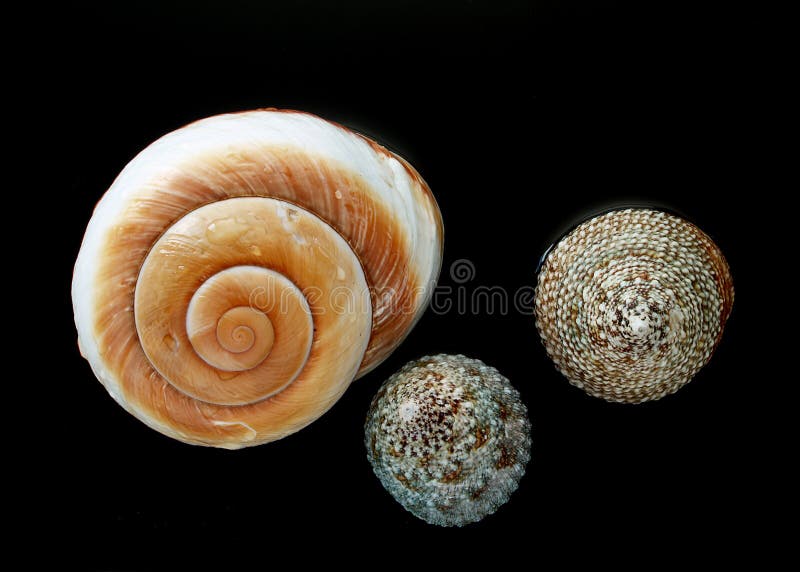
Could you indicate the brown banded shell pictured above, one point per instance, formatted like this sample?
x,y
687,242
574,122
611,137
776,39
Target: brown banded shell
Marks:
x,y
449,438
242,270
632,303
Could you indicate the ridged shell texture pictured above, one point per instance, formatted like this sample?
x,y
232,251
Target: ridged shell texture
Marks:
x,y
631,304
449,438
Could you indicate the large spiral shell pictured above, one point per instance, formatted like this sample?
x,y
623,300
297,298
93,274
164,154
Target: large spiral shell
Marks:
x,y
631,304
242,270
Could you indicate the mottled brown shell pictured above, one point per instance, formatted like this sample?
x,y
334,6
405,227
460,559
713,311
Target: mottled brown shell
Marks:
x,y
631,304
449,438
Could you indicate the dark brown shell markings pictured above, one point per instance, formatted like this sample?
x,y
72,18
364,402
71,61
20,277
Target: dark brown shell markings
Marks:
x,y
631,304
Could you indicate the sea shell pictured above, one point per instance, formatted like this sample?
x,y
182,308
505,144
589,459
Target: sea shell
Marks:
x,y
449,438
242,270
631,304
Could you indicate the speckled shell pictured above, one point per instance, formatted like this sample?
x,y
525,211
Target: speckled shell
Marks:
x,y
242,270
631,304
449,438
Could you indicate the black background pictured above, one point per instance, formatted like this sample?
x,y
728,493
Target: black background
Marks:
x,y
523,117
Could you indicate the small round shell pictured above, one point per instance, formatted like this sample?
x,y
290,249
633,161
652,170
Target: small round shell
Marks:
x,y
631,304
449,438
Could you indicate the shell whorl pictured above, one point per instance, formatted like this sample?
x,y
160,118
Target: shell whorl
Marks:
x,y
228,322
631,304
243,270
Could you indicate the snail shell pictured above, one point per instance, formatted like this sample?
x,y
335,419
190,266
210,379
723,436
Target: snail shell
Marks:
x,y
631,304
449,438
242,270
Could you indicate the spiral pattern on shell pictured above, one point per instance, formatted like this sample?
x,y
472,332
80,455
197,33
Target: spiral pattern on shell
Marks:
x,y
631,304
449,438
243,270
